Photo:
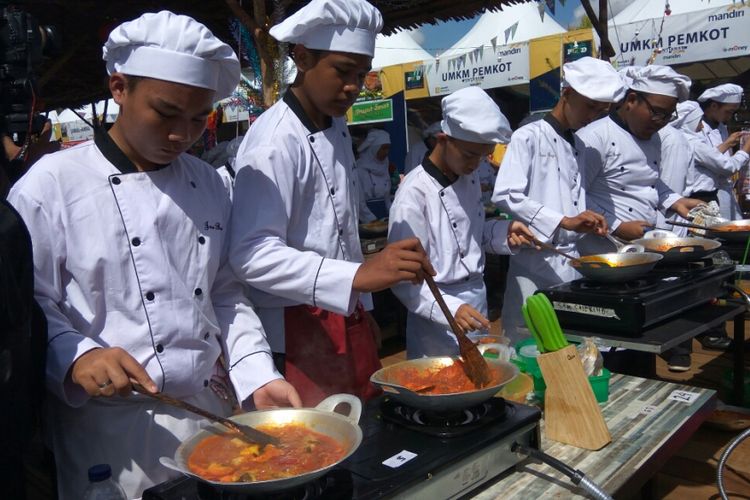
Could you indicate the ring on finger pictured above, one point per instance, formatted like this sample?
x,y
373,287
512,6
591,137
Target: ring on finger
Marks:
x,y
105,384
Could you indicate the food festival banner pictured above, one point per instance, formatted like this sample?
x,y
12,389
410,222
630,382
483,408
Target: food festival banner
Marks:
x,y
708,34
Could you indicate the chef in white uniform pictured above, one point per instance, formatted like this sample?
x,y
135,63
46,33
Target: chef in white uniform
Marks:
x,y
417,151
373,175
620,157
294,222
716,181
539,184
439,202
130,249
677,169
712,166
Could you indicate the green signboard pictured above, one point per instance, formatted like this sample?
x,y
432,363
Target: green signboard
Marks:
x,y
363,112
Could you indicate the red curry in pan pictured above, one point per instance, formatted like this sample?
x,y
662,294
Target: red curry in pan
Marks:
x,y
446,380
227,458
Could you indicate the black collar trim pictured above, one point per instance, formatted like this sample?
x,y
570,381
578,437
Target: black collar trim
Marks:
x,y
291,100
566,134
615,116
711,123
114,154
435,172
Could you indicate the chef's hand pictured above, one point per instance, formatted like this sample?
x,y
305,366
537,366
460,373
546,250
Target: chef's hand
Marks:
x,y
632,230
107,371
587,221
730,141
276,393
469,319
519,234
684,205
403,260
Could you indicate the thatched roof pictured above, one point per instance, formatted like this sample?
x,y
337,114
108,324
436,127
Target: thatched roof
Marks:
x,y
77,76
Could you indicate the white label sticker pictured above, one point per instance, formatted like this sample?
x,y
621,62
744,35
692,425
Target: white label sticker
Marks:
x,y
684,396
602,312
648,410
399,459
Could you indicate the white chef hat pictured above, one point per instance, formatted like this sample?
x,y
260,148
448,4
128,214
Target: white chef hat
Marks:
x,y
689,115
375,138
175,48
595,79
471,115
657,79
432,130
728,93
334,25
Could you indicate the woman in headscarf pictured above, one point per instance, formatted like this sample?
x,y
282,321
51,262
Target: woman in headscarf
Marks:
x,y
373,177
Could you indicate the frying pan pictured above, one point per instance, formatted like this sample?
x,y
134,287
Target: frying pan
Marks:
x,y
386,378
679,250
616,267
322,419
735,231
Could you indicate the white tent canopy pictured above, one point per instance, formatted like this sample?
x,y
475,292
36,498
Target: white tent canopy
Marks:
x,y
399,48
710,34
514,24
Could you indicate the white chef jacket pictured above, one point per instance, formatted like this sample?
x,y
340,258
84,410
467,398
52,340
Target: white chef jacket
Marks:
x,y
448,218
135,260
374,183
538,183
621,177
677,171
414,157
714,170
294,234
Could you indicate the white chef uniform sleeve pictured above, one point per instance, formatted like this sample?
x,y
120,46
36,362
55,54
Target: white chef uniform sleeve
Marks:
x,y
64,344
264,192
667,197
512,186
495,237
248,356
718,163
407,220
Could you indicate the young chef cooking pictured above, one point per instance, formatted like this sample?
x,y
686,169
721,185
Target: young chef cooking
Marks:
x,y
539,184
373,176
440,203
677,168
620,155
715,181
294,223
130,240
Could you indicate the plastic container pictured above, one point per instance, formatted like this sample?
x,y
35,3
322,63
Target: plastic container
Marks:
x,y
527,354
517,389
727,388
102,486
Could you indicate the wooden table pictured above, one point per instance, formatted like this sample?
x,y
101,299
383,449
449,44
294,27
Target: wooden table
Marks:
x,y
647,428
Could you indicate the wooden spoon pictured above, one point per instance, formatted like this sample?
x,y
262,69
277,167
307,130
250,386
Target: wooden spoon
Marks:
x,y
246,432
475,365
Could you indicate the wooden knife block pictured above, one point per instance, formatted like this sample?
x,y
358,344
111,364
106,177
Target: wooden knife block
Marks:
x,y
571,413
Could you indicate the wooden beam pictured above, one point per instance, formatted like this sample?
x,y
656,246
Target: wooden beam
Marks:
x,y
606,49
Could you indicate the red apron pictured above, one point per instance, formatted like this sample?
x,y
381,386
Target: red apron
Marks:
x,y
327,353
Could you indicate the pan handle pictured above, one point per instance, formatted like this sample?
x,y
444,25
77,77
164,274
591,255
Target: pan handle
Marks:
x,y
331,402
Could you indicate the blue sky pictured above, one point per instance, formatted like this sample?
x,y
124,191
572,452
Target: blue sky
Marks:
x,y
443,35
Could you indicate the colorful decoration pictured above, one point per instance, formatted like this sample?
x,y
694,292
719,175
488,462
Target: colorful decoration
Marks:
x,y
247,49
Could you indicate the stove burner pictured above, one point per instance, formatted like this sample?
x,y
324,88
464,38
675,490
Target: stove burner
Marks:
x,y
445,424
629,287
335,485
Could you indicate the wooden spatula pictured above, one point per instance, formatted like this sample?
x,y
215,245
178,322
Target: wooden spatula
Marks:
x,y
474,364
246,432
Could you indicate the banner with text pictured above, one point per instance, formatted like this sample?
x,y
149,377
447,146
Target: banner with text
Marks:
x,y
708,34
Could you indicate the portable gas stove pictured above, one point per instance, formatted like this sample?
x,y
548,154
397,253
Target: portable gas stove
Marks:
x,y
407,453
629,308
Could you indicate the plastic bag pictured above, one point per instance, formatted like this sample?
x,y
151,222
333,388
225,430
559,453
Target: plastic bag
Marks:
x,y
592,359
